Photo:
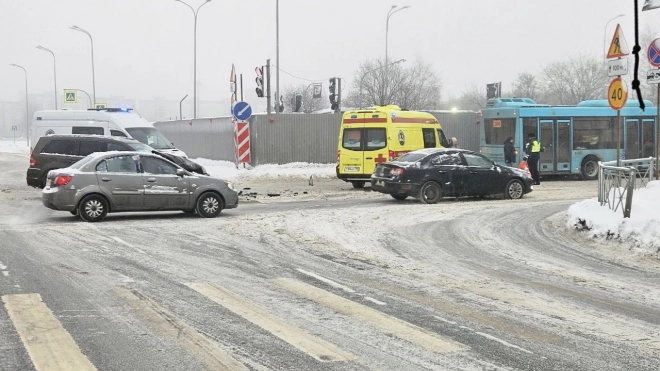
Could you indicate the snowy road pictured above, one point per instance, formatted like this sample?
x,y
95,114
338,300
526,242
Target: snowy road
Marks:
x,y
338,280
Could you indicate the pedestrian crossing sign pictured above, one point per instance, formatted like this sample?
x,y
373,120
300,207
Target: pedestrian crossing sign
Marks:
x,y
70,96
100,105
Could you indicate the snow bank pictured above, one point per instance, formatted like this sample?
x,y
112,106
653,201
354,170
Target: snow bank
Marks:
x,y
295,170
8,146
643,225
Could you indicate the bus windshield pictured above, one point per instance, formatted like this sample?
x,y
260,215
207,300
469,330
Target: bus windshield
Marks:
x,y
151,137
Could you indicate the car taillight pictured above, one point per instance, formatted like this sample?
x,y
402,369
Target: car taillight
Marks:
x,y
338,154
390,154
62,180
33,162
396,172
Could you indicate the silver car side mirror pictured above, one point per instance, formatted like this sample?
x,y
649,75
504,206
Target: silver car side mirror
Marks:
x,y
180,172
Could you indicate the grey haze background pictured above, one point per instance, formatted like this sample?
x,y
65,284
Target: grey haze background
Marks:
x,y
144,48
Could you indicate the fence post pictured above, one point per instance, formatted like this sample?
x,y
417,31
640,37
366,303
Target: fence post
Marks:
x,y
600,183
629,193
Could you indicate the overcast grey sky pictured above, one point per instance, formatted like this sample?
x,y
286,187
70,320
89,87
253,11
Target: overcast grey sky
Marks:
x,y
144,48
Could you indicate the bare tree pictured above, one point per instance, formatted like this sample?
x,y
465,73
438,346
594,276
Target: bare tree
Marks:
x,y
415,87
579,78
526,86
473,98
309,103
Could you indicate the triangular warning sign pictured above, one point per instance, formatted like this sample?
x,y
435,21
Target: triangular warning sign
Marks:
x,y
618,46
70,97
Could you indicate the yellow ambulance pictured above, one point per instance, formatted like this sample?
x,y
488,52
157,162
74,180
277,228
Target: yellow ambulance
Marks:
x,y
379,134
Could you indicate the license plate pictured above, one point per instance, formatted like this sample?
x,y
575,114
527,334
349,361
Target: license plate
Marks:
x,y
351,169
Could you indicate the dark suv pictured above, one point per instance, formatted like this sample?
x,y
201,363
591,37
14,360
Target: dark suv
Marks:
x,y
60,151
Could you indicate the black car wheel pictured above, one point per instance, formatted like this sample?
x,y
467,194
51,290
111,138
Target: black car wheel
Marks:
x,y
590,168
74,211
93,208
430,193
209,205
399,197
514,190
358,184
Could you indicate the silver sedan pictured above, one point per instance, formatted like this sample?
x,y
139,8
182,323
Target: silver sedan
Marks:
x,y
134,181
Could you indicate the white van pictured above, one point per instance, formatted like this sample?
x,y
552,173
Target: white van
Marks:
x,y
119,122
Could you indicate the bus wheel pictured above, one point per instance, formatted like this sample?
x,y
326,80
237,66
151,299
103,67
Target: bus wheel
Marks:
x,y
358,184
590,168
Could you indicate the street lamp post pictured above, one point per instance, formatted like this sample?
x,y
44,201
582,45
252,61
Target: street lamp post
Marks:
x,y
387,29
195,12
376,69
181,107
605,36
76,28
54,70
27,109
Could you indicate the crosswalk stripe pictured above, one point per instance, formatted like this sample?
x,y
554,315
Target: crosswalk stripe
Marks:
x,y
216,358
392,325
48,344
315,347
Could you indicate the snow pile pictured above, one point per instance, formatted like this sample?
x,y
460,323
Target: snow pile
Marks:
x,y
643,225
295,170
8,146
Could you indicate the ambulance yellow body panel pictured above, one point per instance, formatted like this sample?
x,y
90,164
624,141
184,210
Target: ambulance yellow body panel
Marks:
x,y
380,134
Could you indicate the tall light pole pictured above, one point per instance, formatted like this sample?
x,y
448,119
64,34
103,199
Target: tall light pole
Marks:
x,y
605,37
376,69
76,28
27,109
277,54
54,70
195,12
387,29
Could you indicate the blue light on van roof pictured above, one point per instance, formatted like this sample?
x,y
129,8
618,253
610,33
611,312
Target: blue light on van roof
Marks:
x,y
393,115
353,116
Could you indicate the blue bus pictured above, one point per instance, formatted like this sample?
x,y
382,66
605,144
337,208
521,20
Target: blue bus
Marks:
x,y
574,138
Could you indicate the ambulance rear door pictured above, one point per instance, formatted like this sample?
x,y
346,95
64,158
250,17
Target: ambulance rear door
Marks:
x,y
375,141
351,143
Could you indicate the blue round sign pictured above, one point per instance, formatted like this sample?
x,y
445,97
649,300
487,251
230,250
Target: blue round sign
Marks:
x,y
653,53
242,111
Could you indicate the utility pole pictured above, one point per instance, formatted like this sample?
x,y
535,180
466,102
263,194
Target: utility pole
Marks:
x,y
339,95
268,86
277,54
241,87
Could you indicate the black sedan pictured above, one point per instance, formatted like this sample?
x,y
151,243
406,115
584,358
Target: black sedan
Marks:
x,y
432,173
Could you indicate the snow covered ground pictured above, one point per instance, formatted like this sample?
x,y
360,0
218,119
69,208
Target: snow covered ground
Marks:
x,y
642,227
295,170
7,145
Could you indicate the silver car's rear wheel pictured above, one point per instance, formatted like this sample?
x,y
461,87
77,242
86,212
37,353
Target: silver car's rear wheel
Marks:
x,y
209,205
93,208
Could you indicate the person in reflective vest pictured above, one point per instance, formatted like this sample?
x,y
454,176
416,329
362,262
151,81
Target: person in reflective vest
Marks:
x,y
533,150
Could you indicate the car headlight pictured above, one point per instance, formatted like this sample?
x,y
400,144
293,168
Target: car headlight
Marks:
x,y
230,186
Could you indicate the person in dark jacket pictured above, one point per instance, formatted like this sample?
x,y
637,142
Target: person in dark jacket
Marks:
x,y
509,152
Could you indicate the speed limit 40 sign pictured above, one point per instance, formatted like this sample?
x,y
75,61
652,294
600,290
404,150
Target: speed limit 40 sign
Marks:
x,y
617,94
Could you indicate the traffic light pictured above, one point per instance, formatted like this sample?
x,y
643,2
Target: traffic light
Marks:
x,y
298,102
260,82
333,93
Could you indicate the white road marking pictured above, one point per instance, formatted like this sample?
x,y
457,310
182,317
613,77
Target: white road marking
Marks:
x,y
5,273
2,266
128,244
48,344
445,320
491,337
165,322
374,300
392,325
466,328
317,348
327,281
